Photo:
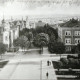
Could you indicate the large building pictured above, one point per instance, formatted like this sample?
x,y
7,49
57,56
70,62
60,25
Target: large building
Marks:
x,y
69,35
8,33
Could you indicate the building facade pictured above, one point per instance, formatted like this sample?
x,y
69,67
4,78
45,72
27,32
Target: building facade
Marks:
x,y
69,36
9,32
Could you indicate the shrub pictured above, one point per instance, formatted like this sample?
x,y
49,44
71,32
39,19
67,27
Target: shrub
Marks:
x,y
71,61
72,56
60,64
64,61
78,56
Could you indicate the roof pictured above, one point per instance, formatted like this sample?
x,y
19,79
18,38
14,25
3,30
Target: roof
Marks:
x,y
40,24
71,23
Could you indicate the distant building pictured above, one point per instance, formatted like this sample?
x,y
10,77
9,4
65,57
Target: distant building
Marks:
x,y
19,23
39,24
36,22
1,34
32,24
69,35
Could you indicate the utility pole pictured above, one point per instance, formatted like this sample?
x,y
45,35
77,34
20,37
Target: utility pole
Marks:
x,y
40,70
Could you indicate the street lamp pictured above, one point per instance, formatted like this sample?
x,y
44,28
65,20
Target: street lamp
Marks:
x,y
41,70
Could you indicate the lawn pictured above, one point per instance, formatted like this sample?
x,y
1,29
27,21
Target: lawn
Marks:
x,y
64,73
3,63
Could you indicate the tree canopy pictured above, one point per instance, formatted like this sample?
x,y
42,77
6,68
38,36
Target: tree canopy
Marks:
x,y
48,30
33,34
41,39
24,32
2,48
56,47
22,42
78,46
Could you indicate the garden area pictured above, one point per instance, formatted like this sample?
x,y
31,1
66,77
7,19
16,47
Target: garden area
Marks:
x,y
67,68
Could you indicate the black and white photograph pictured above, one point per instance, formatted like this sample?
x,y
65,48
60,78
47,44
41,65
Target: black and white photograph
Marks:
x,y
39,39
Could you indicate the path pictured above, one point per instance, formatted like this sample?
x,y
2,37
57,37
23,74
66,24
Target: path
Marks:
x,y
24,67
27,69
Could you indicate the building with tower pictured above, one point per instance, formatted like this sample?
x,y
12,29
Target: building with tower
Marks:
x,y
9,32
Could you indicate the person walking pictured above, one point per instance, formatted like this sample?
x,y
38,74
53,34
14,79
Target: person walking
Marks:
x,y
47,63
47,74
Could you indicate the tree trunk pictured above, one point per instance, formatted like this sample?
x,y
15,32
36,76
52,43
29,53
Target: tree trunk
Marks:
x,y
1,56
60,56
42,49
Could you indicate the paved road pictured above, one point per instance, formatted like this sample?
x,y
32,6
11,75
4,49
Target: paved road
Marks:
x,y
28,67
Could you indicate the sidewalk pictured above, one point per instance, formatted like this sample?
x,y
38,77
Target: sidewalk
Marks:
x,y
49,69
26,69
14,70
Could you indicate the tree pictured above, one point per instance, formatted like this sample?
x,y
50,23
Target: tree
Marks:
x,y
22,42
73,50
41,40
53,34
24,32
78,48
47,29
56,47
2,49
30,37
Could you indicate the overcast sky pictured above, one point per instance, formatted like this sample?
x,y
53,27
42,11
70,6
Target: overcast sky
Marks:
x,y
13,8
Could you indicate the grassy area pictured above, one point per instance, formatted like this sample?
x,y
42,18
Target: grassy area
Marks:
x,y
67,79
3,63
65,73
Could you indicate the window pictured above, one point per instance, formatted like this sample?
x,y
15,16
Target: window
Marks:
x,y
68,48
67,41
77,40
6,38
67,33
77,33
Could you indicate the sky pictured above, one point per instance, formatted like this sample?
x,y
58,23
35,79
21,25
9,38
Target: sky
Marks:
x,y
21,8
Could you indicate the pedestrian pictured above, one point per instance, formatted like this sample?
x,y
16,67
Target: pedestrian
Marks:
x,y
47,63
47,75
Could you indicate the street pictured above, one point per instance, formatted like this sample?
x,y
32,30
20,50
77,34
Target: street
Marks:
x,y
28,67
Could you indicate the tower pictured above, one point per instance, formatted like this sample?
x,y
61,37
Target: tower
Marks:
x,y
27,22
22,24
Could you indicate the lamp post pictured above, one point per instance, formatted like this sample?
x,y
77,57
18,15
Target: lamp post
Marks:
x,y
40,70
